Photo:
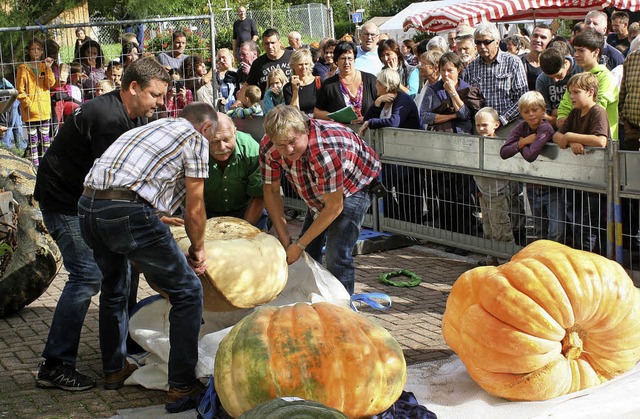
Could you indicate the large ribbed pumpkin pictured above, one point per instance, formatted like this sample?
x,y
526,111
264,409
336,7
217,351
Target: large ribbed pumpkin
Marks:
x,y
246,267
552,321
319,352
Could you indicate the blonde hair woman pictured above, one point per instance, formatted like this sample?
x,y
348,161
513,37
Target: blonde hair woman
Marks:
x,y
302,90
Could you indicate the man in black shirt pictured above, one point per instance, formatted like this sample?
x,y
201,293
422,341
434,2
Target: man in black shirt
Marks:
x,y
244,29
274,57
86,134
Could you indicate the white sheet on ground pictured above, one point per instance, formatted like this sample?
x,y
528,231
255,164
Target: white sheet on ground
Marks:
x,y
445,388
149,327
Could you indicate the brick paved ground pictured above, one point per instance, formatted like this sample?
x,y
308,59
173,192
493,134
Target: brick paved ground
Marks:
x,y
414,320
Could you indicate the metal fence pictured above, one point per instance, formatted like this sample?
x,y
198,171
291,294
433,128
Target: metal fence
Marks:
x,y
590,202
313,21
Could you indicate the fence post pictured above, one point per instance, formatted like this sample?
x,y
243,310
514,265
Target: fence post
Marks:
x,y
309,20
212,30
614,209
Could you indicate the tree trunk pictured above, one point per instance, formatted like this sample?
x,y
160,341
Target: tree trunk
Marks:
x,y
26,272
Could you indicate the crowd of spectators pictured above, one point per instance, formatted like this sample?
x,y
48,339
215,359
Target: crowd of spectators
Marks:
x,y
448,79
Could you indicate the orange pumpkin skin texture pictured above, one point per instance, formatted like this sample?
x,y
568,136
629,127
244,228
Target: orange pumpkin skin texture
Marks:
x,y
319,352
552,321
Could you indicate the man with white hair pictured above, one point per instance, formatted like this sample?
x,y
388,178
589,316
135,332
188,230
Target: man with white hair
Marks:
x,y
609,56
500,76
367,59
295,40
234,186
466,49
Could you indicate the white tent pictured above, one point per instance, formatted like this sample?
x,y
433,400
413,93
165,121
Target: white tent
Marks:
x,y
393,26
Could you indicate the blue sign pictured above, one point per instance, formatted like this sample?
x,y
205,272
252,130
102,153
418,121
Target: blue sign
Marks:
x,y
356,17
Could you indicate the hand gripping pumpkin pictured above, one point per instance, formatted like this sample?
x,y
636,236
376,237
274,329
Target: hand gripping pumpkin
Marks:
x,y
319,352
245,266
552,321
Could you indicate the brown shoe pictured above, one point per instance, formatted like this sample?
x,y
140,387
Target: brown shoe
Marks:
x,y
116,380
176,393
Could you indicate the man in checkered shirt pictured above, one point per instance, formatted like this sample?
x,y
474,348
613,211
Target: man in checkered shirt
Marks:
x,y
500,76
149,171
332,170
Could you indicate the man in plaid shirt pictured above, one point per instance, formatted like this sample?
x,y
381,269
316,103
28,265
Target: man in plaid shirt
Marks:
x,y
149,171
332,170
500,76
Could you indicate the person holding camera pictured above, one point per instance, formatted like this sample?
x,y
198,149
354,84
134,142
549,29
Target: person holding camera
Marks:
x,y
333,170
178,96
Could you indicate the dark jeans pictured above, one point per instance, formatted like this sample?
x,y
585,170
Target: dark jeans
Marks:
x,y
83,283
119,231
340,238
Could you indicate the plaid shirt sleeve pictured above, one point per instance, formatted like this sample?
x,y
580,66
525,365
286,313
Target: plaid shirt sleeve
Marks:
x,y
518,88
270,169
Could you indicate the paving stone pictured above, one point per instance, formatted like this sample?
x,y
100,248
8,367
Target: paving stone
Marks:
x,y
414,320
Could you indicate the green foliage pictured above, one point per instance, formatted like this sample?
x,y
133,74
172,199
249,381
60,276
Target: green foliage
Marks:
x,y
5,248
195,42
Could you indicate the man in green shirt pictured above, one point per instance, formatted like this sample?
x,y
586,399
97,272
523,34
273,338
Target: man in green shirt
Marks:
x,y
234,186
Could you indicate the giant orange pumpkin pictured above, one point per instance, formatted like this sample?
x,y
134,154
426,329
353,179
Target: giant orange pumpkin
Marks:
x,y
552,321
319,352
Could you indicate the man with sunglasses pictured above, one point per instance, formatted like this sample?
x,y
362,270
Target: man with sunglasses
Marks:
x,y
500,76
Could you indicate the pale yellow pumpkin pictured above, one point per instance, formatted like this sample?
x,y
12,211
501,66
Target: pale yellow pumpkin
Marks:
x,y
552,321
245,266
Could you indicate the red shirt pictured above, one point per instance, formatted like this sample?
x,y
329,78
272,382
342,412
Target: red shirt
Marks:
x,y
335,158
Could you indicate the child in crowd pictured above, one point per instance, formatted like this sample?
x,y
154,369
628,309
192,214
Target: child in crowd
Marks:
x,y
105,86
34,80
274,96
92,60
494,193
587,50
529,139
586,125
250,104
178,96
65,97
114,73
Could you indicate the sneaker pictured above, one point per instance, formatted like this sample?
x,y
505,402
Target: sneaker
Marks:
x,y
178,393
116,380
63,376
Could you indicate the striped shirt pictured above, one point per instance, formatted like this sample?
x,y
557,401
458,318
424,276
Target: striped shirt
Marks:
x,y
335,158
629,100
502,82
153,161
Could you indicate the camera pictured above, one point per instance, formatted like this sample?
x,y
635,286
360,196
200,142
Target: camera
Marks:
x,y
179,85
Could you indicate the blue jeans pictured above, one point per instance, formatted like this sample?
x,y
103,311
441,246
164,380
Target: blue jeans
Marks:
x,y
340,238
119,231
13,137
83,283
549,209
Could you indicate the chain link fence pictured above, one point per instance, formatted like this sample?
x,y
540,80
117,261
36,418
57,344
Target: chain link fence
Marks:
x,y
313,21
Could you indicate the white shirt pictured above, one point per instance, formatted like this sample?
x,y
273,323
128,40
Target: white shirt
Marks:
x,y
368,62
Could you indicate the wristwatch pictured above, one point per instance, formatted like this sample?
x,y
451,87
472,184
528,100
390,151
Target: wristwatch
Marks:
x,y
300,245
454,94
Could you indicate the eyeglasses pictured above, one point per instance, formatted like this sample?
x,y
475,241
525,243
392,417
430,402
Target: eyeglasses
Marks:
x,y
367,34
485,42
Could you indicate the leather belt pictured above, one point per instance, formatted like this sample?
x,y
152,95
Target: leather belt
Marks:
x,y
113,194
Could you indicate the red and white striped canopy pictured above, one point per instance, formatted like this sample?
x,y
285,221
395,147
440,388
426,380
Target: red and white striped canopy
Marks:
x,y
476,11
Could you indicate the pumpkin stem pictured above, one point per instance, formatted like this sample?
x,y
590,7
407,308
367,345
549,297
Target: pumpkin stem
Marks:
x,y
572,344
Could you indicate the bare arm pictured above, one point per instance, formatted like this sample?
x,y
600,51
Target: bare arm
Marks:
x,y
275,207
586,139
254,210
194,223
320,114
332,208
